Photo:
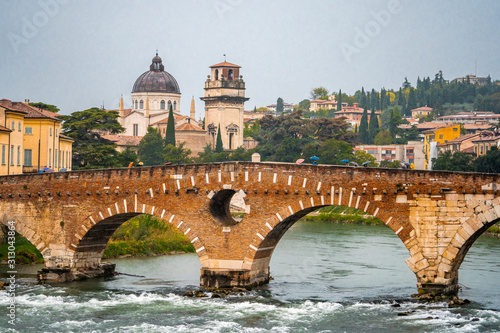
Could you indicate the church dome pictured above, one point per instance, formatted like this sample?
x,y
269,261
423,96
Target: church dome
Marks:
x,y
156,80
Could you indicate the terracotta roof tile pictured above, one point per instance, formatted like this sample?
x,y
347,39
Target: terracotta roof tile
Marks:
x,y
31,111
189,127
225,64
5,129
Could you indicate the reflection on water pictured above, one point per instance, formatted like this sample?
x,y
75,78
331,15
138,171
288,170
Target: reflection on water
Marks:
x,y
327,278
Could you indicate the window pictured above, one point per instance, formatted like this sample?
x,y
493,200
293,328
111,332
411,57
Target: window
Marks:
x,y
230,75
135,130
62,159
50,131
55,158
162,105
481,150
141,104
50,157
175,105
19,127
169,104
18,155
13,126
27,157
136,104
455,129
3,154
28,130
216,74
11,155
56,132
440,136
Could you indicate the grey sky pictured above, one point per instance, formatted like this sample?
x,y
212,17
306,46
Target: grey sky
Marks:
x,y
83,53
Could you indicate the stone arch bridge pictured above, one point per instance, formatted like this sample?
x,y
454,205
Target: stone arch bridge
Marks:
x,y
437,215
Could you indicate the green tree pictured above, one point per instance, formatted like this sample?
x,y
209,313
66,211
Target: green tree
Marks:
x,y
279,105
339,101
170,134
363,128
361,156
48,107
373,127
127,156
319,93
90,149
151,148
251,131
177,155
390,164
395,121
449,161
218,145
304,105
384,137
333,151
489,162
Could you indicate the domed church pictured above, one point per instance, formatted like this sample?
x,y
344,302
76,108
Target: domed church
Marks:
x,y
153,93
156,90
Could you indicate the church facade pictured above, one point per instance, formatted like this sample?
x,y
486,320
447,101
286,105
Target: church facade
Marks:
x,y
156,90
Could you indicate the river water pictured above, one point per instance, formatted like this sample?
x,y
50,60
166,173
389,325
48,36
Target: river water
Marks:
x,y
327,278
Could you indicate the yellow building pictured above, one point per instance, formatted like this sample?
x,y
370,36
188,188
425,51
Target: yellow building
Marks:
x,y
435,137
31,139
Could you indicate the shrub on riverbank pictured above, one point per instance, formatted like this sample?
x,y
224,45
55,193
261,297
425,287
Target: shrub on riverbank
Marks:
x,y
342,214
26,253
146,235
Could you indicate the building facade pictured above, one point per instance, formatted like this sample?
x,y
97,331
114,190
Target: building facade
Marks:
x,y
435,137
224,105
412,152
31,139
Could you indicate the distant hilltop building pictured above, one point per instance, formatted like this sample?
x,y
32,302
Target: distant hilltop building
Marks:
x,y
472,79
473,117
329,104
287,107
156,90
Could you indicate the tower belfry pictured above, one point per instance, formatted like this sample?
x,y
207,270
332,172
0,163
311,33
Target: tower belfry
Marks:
x,y
224,105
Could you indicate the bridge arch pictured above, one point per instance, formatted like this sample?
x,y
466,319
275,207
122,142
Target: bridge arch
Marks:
x,y
485,215
91,238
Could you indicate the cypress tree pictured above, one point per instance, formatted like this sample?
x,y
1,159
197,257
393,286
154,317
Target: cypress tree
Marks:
x,y
363,127
373,127
339,101
170,135
218,146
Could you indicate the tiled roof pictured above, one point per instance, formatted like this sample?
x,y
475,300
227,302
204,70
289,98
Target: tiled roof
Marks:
x,y
165,120
62,136
30,111
189,127
124,140
225,64
422,108
5,129
462,138
488,138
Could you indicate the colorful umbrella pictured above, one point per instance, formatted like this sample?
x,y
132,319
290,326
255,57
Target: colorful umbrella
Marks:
x,y
299,161
314,158
344,161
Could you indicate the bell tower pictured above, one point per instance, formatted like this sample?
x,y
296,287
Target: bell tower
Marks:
x,y
224,105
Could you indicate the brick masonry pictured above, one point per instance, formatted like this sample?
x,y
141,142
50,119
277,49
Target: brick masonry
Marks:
x,y
70,216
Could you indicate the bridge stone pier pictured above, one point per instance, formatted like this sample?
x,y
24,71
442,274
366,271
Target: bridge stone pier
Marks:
x,y
70,216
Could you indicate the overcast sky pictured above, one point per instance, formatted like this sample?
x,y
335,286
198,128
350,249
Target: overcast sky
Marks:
x,y
81,54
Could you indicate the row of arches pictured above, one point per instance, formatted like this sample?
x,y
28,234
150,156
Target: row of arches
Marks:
x,y
139,105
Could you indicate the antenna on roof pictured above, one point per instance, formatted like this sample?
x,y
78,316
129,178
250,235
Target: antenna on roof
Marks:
x,y
475,70
156,52
224,57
